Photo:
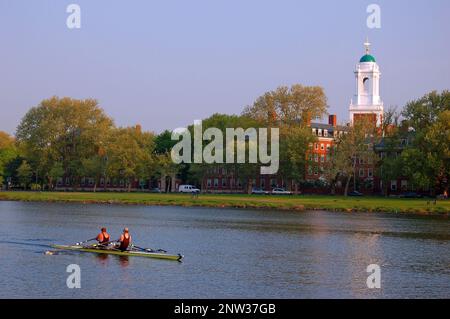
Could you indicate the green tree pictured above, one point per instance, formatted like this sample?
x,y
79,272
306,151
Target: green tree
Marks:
x,y
426,158
294,145
289,105
63,130
130,154
357,142
56,171
24,173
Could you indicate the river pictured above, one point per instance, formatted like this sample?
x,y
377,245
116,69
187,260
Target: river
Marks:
x,y
228,253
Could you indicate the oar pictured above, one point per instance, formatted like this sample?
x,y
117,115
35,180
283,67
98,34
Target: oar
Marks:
x,y
149,249
86,241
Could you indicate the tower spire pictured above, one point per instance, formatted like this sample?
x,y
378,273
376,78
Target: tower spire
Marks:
x,y
367,45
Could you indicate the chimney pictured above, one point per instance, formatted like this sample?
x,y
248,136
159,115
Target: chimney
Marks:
x,y
332,120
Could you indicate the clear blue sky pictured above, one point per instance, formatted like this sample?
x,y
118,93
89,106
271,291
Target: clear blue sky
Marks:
x,y
163,64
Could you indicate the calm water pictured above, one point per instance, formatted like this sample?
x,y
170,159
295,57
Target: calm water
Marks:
x,y
228,253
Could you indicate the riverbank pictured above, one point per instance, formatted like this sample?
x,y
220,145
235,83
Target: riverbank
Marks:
x,y
293,203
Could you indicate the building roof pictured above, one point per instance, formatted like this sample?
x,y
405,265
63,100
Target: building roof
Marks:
x,y
367,58
328,127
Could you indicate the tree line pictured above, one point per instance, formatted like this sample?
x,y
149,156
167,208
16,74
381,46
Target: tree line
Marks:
x,y
72,139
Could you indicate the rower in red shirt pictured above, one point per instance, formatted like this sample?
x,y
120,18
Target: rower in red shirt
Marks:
x,y
124,240
103,238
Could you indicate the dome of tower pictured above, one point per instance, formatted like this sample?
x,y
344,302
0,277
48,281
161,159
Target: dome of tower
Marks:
x,y
367,58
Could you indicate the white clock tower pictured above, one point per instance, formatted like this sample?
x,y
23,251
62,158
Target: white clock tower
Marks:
x,y
367,101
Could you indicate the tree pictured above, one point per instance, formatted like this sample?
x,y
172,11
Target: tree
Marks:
x,y
390,166
8,152
295,142
63,131
357,143
24,173
426,158
129,154
289,105
56,171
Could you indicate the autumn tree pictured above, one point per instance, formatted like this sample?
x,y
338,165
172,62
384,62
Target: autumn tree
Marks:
x,y
8,152
63,130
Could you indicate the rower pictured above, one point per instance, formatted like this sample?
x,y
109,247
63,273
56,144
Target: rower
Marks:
x,y
124,240
103,237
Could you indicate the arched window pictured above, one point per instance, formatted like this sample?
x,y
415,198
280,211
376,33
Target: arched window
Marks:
x,y
366,85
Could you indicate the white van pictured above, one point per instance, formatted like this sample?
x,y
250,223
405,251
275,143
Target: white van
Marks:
x,y
188,189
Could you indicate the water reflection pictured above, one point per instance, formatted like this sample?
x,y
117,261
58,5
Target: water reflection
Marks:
x,y
104,260
228,253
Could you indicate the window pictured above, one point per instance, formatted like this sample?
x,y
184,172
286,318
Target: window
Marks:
x,y
224,182
361,160
231,182
322,158
404,185
60,181
322,147
325,133
208,182
366,85
102,181
320,132
314,131
316,170
316,158
216,182
370,172
393,185
328,147
316,146
263,183
361,172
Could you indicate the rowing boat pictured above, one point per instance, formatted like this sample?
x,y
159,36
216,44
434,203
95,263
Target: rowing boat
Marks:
x,y
112,251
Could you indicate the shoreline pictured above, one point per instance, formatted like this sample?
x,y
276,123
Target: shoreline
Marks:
x,y
300,203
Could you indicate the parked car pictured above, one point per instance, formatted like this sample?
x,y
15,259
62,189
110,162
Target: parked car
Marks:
x,y
410,195
259,191
188,189
355,194
281,191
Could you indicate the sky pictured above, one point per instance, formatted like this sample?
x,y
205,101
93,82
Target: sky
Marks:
x,y
163,64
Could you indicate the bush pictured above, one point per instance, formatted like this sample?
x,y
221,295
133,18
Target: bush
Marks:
x,y
35,187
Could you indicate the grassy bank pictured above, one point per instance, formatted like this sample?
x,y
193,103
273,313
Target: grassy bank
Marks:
x,y
295,203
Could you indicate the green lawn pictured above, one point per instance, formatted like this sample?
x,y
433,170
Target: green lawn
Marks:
x,y
297,203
